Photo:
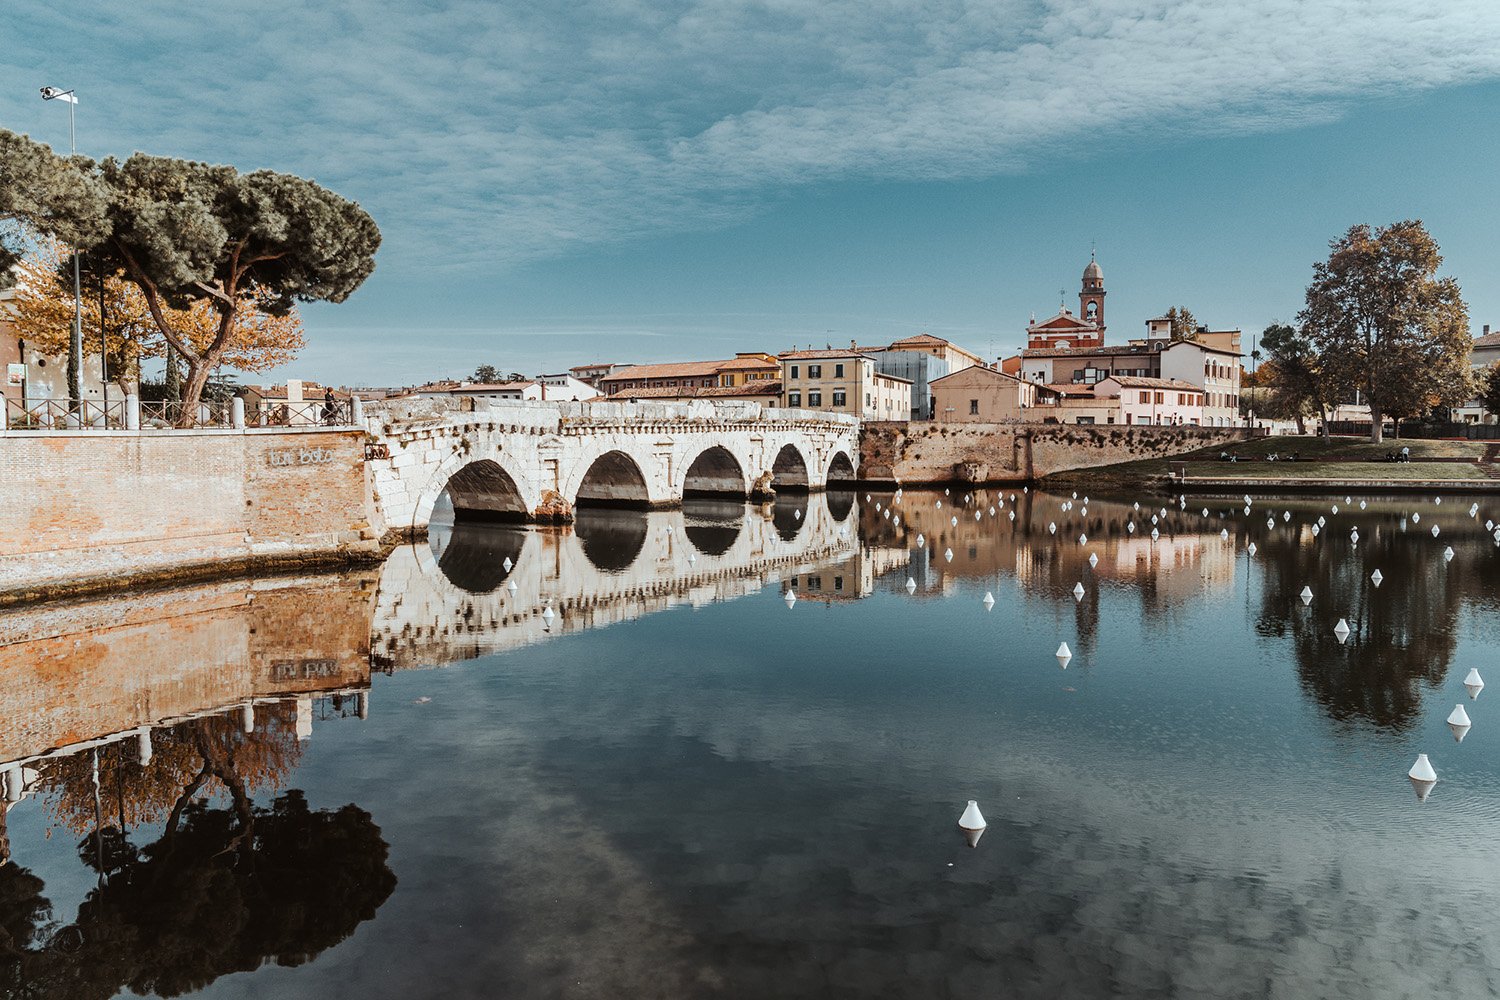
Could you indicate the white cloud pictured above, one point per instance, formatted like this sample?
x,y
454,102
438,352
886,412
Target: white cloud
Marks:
x,y
484,135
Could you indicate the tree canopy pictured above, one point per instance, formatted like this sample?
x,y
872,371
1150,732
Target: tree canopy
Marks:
x,y
1489,388
1381,320
44,192
1184,325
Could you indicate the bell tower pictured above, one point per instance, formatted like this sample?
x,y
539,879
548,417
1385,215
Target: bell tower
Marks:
x,y
1091,298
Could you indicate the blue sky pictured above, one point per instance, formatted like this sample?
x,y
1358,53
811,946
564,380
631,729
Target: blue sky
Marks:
x,y
560,183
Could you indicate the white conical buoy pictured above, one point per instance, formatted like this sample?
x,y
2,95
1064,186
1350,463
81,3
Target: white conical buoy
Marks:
x,y
954,521
1435,530
1137,505
512,587
1130,527
992,511
939,505
1354,536
911,585
1270,522
1342,631
1093,559
1363,505
978,515
1306,596
1473,683
921,540
1012,515
796,515
547,615
1052,528
1155,534
1458,722
1250,548
1335,508
1422,769
1064,654
877,504
972,823
945,492
790,598
1083,539
507,564
1437,501
1286,515
1224,534
1375,578
948,554
1416,518
1154,519
1084,512
989,600
1078,591
692,558
1315,530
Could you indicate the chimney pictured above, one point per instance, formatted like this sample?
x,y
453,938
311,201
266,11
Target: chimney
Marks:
x,y
1486,330
853,343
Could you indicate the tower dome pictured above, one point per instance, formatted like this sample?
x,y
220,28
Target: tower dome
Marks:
x,y
1093,273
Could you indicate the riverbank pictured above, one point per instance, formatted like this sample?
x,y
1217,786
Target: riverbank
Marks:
x,y
1321,465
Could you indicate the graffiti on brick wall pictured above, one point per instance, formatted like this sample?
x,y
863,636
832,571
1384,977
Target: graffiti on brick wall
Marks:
x,y
300,456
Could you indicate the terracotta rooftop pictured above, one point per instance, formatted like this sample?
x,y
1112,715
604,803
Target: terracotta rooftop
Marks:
x,y
671,369
701,392
1139,382
1086,352
740,364
1488,340
823,355
480,387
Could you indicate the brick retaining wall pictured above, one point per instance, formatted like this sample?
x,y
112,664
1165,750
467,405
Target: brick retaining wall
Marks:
x,y
86,510
937,452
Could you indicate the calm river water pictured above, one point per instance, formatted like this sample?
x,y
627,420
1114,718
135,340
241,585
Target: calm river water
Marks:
x,y
611,761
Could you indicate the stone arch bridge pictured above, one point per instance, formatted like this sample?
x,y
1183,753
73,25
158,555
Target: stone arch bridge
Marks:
x,y
500,460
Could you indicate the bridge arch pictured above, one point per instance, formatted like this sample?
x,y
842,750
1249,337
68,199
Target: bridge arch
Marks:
x,y
840,470
612,540
472,556
614,479
715,472
713,526
789,471
483,491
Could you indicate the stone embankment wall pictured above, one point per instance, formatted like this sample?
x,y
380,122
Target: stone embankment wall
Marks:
x,y
936,452
92,509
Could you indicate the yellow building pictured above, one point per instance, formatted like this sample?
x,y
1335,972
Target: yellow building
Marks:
x,y
843,381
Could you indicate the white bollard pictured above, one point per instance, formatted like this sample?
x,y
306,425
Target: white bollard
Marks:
x,y
132,412
356,411
237,413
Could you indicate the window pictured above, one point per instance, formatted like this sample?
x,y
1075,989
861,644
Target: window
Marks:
x,y
839,398
838,371
867,400
814,371
1145,396
794,371
974,407
1159,397
815,397
1085,420
838,583
794,398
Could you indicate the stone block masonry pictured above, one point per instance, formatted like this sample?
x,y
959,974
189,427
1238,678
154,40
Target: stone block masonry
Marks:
x,y
89,510
940,452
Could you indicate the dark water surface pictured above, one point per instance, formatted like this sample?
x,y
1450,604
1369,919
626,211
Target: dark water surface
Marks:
x,y
413,781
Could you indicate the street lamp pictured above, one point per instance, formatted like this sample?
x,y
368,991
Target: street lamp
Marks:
x,y
75,348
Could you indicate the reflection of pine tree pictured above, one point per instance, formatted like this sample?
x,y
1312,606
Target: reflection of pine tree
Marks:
x,y
223,890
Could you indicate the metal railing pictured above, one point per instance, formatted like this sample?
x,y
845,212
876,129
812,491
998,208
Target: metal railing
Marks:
x,y
63,414
163,414
305,413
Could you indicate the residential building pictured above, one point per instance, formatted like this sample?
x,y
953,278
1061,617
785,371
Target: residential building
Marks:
x,y
843,381
921,359
594,372
514,389
979,394
1159,401
1215,371
1486,352
29,378
735,371
1160,329
565,387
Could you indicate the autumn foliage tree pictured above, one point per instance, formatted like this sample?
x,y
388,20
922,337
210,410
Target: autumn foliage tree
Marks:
x,y
118,311
1380,319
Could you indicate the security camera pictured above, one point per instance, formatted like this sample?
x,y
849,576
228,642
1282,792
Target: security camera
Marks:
x,y
50,92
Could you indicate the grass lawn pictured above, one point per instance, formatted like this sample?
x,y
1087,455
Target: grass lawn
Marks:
x,y
1335,458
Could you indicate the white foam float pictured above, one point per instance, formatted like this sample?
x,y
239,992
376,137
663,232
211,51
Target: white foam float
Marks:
x,y
1078,591
1306,595
1473,683
989,600
1064,655
1458,722
1376,577
1341,630
911,585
